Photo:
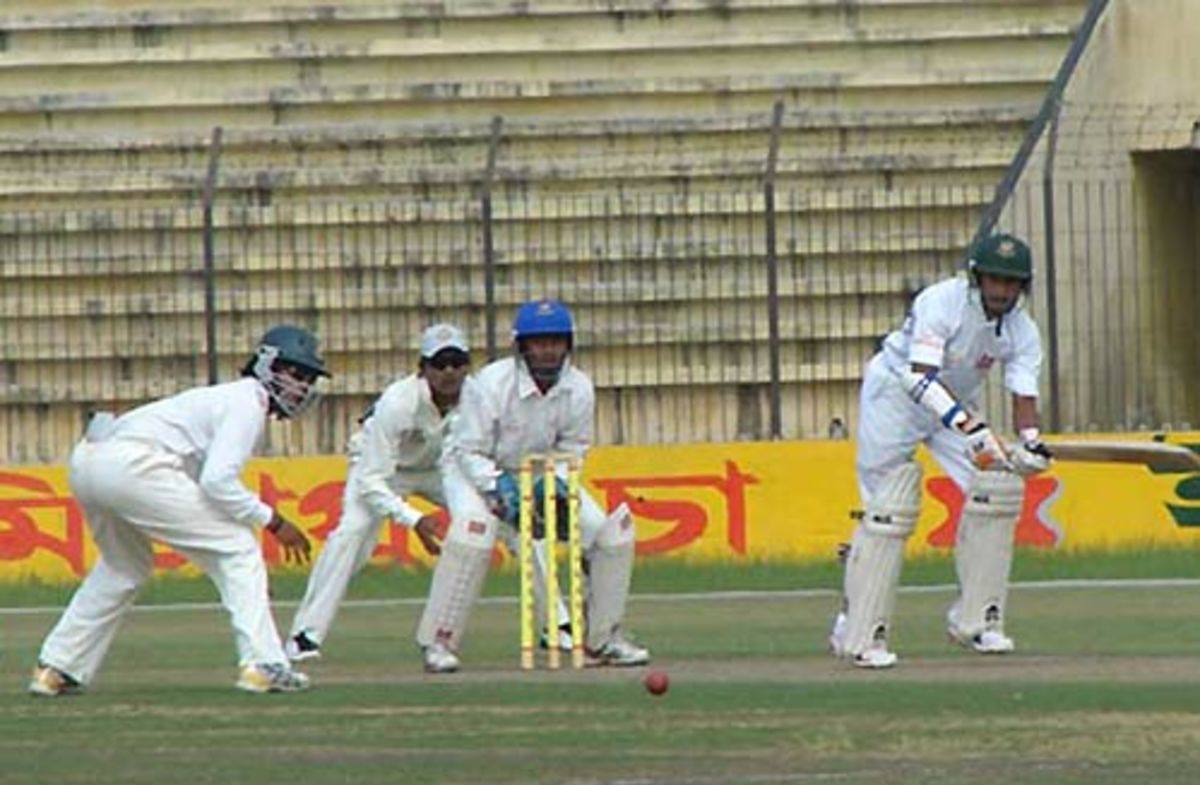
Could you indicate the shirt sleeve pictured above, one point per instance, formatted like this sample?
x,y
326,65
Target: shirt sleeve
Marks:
x,y
931,329
474,432
379,456
237,434
1023,370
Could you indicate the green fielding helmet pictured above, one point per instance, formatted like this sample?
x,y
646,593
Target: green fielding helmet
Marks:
x,y
1004,256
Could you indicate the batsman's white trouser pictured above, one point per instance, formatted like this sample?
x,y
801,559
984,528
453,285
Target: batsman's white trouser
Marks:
x,y
473,529
890,428
131,493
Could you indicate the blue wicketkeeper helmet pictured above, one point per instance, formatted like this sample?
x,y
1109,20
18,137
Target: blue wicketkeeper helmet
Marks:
x,y
543,317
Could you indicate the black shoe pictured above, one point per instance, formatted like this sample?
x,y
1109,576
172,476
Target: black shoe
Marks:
x,y
300,647
564,638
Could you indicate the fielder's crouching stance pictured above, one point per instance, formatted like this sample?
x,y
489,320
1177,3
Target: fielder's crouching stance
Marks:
x,y
171,471
917,390
533,402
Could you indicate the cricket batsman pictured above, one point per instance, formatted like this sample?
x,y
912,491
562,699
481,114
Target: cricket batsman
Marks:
x,y
923,387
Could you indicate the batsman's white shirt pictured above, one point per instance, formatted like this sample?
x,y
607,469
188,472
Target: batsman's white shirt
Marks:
x,y
947,329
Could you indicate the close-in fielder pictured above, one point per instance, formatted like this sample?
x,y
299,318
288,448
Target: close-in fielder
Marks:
x,y
535,401
170,471
392,458
923,387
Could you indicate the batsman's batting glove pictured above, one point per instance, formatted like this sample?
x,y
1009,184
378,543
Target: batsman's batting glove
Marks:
x,y
1032,456
985,450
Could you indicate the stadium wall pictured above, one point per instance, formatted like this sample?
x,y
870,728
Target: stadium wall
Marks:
x,y
746,503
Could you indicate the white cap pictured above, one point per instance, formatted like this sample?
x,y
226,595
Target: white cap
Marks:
x,y
442,336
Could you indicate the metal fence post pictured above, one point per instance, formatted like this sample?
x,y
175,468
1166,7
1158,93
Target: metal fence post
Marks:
x,y
776,404
210,283
489,249
1051,278
1049,107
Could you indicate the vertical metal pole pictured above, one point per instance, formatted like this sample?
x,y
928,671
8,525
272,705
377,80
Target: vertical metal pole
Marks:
x,y
776,405
1055,412
1049,108
489,250
210,283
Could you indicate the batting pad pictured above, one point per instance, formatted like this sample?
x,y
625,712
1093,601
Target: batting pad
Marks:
x,y
608,589
984,550
876,555
457,580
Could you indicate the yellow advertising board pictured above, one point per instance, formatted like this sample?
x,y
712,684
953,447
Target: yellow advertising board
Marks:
x,y
732,502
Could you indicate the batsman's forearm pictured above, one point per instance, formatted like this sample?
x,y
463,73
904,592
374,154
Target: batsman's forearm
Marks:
x,y
1025,413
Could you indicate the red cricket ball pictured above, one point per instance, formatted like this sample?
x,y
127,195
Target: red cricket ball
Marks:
x,y
656,682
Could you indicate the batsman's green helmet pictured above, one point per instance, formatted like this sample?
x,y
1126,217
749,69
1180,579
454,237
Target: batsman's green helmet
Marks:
x,y
1004,256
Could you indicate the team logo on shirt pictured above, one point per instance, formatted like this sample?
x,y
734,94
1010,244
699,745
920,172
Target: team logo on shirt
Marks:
x,y
985,362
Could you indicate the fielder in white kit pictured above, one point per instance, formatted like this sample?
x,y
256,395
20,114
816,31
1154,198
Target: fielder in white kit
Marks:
x,y
923,387
393,457
170,471
533,402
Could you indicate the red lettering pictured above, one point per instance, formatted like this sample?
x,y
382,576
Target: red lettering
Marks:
x,y
23,535
689,519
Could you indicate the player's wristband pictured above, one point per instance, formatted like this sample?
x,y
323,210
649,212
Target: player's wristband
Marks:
x,y
927,390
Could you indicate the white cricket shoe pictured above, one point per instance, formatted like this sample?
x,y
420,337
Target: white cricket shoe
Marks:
x,y
990,641
618,652
271,677
439,659
875,657
993,642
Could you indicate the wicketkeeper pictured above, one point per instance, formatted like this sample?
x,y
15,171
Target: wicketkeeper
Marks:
x,y
533,402
394,457
922,388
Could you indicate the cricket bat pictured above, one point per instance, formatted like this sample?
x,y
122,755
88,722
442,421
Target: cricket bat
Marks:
x,y
1156,456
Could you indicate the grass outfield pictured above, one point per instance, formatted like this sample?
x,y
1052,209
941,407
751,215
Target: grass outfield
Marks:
x,y
1104,689
667,576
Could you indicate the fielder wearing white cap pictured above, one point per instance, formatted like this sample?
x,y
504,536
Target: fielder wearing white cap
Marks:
x,y
442,336
393,457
